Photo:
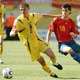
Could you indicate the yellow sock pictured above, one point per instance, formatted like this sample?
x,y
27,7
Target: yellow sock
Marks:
x,y
46,68
1,49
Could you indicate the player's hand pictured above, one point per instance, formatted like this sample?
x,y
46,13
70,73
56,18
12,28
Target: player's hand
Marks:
x,y
47,42
12,33
73,34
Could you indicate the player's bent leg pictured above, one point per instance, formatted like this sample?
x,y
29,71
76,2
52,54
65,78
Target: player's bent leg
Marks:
x,y
64,48
52,57
75,56
1,50
45,67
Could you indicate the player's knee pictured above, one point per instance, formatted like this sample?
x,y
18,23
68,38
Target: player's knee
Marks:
x,y
50,53
71,51
65,49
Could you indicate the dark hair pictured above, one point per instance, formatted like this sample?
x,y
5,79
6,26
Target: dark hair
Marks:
x,y
23,5
67,6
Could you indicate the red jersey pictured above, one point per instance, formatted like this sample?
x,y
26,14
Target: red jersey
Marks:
x,y
62,29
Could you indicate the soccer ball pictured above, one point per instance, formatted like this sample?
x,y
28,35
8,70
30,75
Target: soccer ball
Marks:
x,y
7,73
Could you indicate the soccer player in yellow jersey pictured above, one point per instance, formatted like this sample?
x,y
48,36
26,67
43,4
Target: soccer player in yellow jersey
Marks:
x,y
1,29
25,26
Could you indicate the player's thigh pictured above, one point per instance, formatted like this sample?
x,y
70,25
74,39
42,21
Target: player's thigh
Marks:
x,y
76,47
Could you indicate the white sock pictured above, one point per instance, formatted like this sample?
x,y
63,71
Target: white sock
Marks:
x,y
0,60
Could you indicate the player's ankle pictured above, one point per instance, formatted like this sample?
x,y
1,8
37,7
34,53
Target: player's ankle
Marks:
x,y
53,75
1,62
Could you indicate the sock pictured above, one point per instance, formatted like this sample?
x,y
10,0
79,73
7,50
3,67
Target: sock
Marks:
x,y
46,68
0,60
75,56
1,49
53,60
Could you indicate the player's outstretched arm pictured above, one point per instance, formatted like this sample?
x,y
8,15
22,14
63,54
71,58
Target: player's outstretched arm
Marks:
x,y
48,36
50,15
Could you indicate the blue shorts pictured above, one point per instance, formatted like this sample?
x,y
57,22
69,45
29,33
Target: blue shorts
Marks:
x,y
72,44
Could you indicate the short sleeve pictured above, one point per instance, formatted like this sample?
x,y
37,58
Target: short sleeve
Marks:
x,y
18,24
74,28
3,10
36,17
51,27
53,24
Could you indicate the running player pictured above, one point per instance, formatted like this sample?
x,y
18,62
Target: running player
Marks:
x,y
25,26
1,29
65,31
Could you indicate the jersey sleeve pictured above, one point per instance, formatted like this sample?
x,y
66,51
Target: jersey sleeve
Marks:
x,y
74,28
3,10
51,27
36,17
18,25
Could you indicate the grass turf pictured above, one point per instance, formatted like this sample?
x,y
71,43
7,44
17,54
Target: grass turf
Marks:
x,y
16,58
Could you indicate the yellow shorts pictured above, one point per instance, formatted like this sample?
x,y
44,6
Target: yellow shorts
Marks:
x,y
35,49
33,46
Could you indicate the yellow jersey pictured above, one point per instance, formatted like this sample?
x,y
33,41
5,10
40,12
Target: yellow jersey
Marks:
x,y
27,32
1,19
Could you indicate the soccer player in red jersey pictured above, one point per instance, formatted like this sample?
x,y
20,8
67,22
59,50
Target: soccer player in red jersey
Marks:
x,y
65,31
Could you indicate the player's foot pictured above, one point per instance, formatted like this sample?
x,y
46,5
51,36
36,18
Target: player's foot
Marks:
x,y
58,66
1,62
54,75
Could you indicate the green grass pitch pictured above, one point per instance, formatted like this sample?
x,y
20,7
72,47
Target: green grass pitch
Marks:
x,y
16,58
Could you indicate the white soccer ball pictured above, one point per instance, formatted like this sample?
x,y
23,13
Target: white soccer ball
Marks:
x,y
7,73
